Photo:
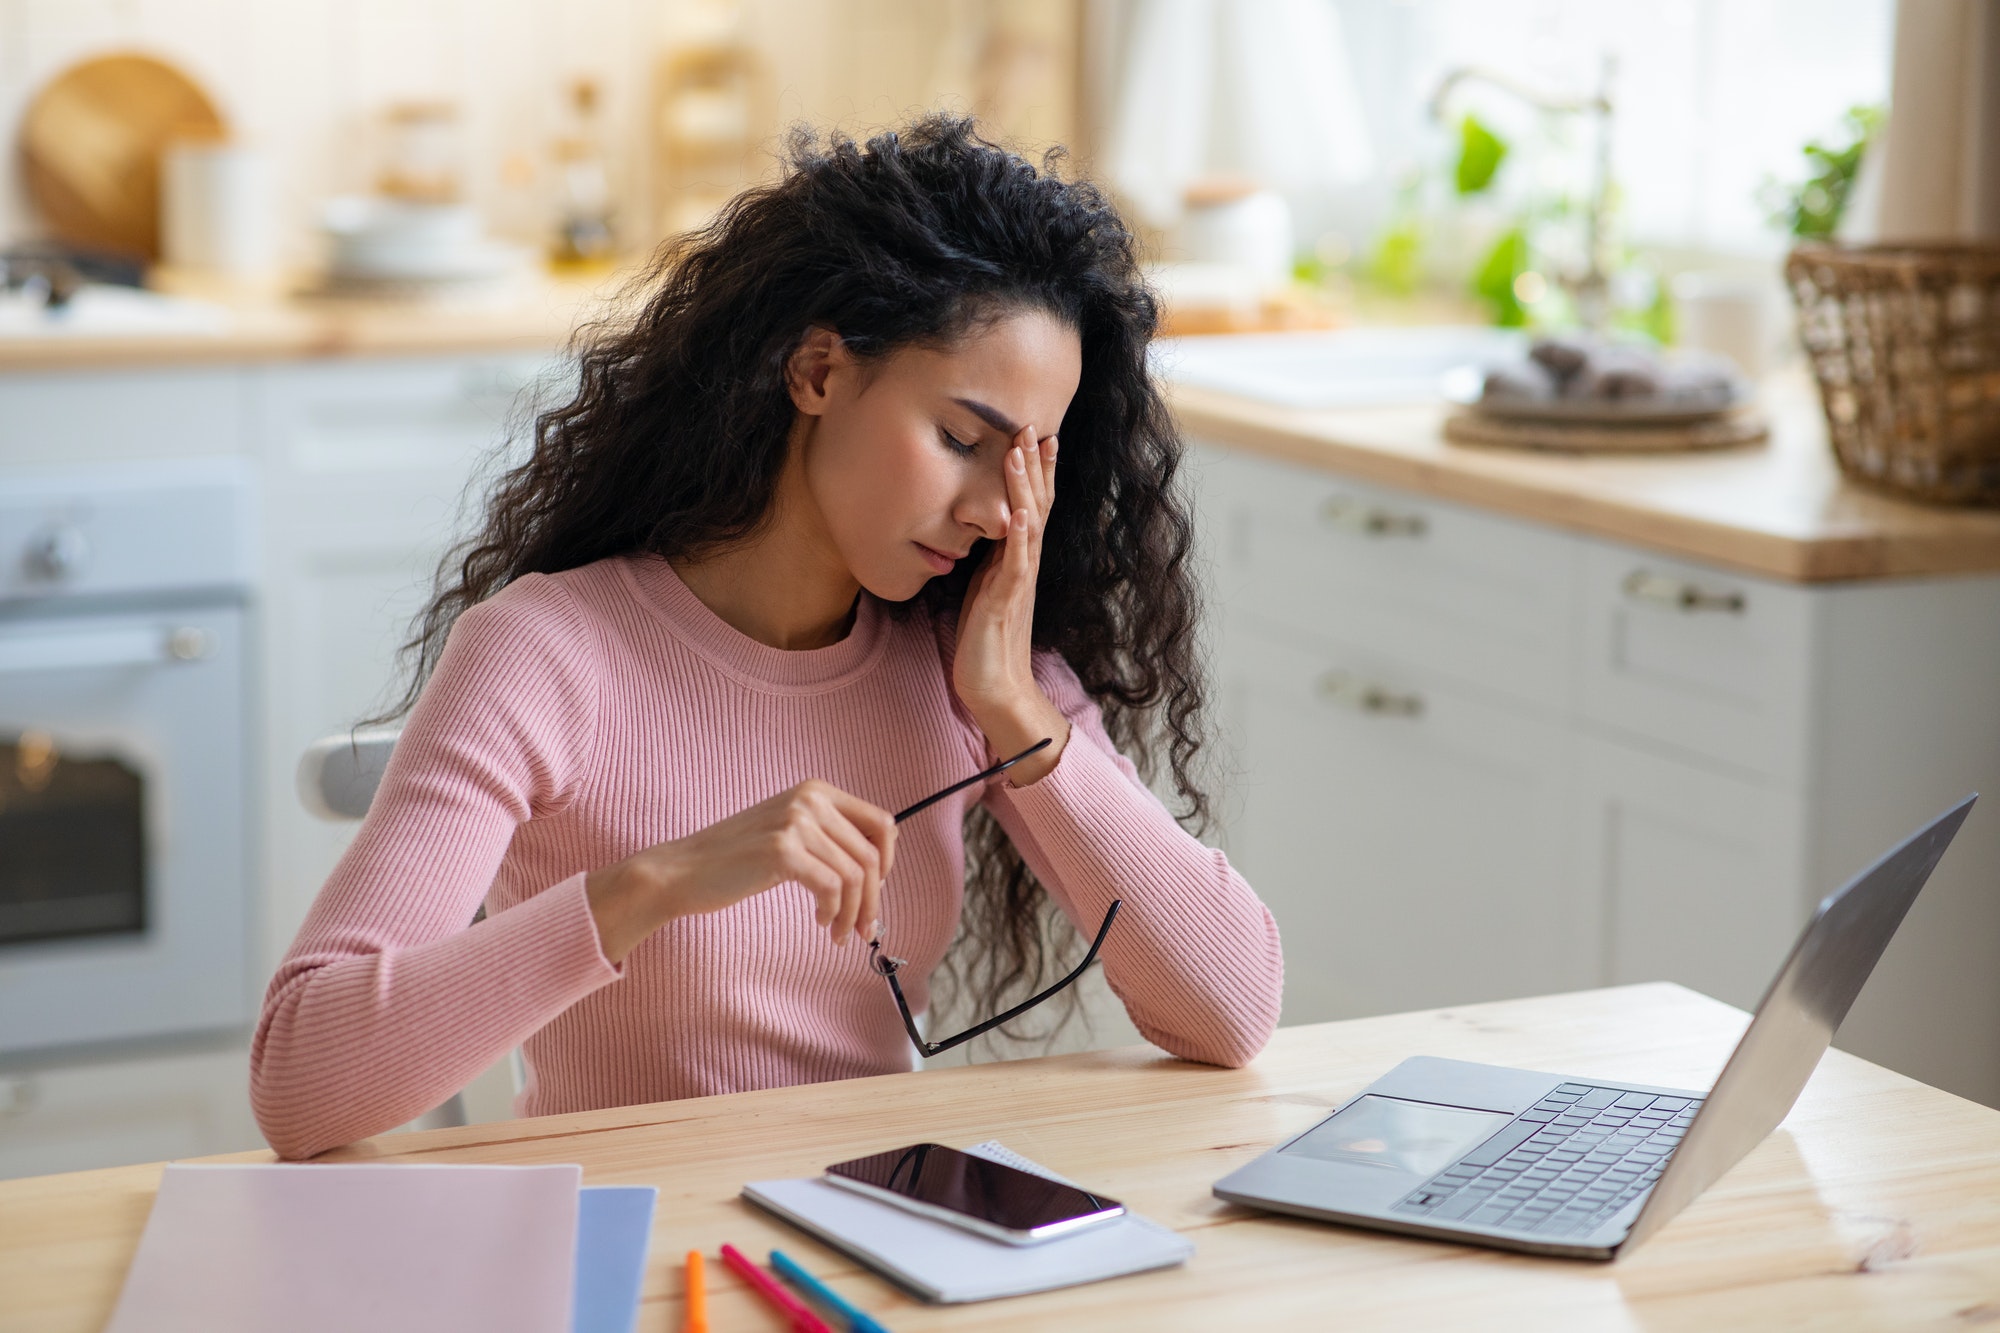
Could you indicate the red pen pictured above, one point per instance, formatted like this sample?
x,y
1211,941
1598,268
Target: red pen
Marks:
x,y
803,1319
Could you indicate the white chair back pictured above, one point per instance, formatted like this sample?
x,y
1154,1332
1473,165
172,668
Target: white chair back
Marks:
x,y
338,774
337,779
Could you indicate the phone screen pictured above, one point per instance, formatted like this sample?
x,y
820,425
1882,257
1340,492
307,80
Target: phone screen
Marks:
x,y
999,1195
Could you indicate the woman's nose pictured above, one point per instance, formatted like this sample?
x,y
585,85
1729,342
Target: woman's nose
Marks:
x,y
983,508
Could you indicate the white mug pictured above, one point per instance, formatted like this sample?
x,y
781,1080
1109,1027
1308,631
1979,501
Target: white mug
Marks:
x,y
215,209
1251,231
1726,313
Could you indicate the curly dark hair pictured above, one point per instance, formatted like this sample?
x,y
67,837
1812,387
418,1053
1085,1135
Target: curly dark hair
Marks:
x,y
674,438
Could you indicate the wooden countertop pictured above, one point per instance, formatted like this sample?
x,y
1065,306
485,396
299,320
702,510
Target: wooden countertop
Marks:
x,y
536,315
1782,510
1872,1207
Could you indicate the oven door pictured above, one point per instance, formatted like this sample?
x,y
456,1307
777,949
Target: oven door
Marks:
x,y
123,866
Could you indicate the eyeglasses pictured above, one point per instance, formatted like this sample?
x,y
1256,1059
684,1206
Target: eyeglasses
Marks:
x,y
888,967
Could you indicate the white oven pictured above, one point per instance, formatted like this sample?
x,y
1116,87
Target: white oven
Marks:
x,y
124,754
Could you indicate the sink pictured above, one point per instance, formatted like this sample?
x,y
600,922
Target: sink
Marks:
x,y
1365,367
103,311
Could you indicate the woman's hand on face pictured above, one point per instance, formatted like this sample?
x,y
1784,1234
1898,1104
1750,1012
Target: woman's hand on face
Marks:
x,y
991,671
838,846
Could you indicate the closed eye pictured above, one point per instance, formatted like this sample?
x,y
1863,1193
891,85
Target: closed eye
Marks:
x,y
956,445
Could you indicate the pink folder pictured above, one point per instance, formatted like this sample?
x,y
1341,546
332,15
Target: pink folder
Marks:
x,y
314,1249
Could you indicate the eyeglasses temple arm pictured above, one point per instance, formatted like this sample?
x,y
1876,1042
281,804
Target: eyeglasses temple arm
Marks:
x,y
981,776
909,1023
935,1048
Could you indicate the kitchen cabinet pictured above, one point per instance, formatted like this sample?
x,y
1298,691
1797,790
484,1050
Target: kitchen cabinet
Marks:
x,y
1485,601
57,418
362,471
1407,832
187,1103
1479,756
1690,866
371,470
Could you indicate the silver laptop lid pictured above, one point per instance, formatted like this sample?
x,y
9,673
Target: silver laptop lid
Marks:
x,y
1797,1019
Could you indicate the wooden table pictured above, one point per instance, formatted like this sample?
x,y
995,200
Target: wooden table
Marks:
x,y
1875,1206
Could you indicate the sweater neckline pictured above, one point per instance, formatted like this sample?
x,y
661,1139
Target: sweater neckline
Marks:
x,y
803,670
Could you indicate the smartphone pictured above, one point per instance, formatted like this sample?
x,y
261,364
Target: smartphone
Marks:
x,y
992,1199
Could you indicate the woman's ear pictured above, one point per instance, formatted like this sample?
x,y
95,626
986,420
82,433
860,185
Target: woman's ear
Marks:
x,y
819,354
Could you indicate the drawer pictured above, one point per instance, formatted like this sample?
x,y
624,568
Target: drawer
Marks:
x,y
125,528
1486,600
325,423
364,455
1713,664
79,416
1410,836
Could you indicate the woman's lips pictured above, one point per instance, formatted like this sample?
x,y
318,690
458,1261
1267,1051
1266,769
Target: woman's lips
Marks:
x,y
937,560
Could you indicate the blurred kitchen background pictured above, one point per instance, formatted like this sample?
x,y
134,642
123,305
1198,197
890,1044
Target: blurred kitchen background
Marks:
x,y
281,278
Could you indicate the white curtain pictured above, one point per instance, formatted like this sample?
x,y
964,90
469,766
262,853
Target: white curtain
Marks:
x,y
1246,88
1940,170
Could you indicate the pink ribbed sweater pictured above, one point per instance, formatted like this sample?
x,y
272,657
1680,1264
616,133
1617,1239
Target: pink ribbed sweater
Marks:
x,y
576,718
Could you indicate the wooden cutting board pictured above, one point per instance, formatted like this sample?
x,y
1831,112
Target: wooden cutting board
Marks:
x,y
1725,430
91,143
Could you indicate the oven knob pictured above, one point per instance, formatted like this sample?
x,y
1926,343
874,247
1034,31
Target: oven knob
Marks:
x,y
61,554
189,644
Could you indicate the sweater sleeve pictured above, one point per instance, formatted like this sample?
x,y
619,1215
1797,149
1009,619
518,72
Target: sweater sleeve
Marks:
x,y
1194,955
388,1002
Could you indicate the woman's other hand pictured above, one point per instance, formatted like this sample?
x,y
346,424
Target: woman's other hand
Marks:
x,y
991,670
838,846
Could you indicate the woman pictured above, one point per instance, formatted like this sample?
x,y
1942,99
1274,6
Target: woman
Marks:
x,y
797,532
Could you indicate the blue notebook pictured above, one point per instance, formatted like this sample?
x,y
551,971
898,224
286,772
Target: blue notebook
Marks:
x,y
614,1229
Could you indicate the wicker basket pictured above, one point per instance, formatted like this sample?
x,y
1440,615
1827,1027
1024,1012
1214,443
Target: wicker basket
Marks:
x,y
1906,343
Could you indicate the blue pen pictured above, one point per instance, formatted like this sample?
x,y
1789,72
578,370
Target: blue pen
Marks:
x,y
815,1290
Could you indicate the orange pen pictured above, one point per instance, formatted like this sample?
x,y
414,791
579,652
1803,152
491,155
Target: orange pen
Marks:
x,y
697,1296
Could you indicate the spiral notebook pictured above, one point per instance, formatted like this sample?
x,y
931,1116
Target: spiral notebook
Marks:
x,y
944,1264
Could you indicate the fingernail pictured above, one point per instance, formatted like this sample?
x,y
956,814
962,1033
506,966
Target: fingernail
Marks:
x,y
1052,447
1017,460
875,929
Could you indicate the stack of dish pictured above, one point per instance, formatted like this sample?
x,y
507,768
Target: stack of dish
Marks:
x,y
399,247
1586,395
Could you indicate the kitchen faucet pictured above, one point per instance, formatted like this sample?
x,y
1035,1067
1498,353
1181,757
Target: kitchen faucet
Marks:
x,y
1591,288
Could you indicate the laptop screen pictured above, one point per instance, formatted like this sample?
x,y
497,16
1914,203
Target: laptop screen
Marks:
x,y
1798,1017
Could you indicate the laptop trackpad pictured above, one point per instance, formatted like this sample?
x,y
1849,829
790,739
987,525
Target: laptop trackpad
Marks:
x,y
1412,1140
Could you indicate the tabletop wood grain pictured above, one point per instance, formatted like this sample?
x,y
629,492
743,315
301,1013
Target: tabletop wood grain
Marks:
x,y
1780,509
1875,1206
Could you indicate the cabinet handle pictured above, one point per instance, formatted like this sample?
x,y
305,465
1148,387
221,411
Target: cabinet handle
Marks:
x,y
1348,690
1642,585
1367,520
59,555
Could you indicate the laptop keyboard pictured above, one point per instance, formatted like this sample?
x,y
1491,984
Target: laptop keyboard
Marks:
x,y
1563,1166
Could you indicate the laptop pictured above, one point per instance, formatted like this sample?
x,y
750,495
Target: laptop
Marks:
x,y
1581,1167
